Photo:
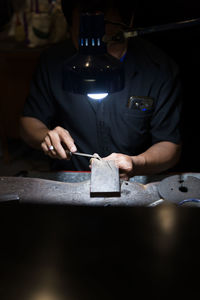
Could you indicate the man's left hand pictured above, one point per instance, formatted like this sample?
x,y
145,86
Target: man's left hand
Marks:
x,y
124,163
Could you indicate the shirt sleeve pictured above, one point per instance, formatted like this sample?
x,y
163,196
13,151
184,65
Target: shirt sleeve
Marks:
x,y
40,102
165,123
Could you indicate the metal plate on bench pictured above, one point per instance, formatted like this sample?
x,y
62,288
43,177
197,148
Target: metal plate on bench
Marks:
x,y
178,188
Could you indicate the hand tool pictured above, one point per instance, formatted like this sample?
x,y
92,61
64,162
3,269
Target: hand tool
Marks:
x,y
78,153
83,154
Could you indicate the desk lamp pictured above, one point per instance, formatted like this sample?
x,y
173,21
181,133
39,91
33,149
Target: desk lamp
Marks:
x,y
92,70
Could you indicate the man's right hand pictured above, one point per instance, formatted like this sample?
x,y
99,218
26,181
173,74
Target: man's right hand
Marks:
x,y
56,142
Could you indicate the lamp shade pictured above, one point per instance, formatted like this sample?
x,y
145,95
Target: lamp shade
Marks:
x,y
92,69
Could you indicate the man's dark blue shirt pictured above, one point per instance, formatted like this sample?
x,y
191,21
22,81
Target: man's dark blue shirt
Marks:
x,y
145,112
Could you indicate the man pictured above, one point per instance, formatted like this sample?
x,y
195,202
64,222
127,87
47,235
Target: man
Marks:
x,y
140,139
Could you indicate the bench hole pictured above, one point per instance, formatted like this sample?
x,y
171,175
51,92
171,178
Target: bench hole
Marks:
x,y
183,189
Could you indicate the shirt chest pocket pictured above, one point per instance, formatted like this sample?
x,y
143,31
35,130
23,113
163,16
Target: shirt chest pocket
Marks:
x,y
136,121
132,131
138,112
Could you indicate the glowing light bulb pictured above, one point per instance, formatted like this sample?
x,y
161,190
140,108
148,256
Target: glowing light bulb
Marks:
x,y
97,96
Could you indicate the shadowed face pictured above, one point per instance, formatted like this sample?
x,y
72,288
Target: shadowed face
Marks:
x,y
114,48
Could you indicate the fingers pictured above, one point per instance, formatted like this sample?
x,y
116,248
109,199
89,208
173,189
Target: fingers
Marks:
x,y
124,177
124,163
94,158
65,139
48,148
56,142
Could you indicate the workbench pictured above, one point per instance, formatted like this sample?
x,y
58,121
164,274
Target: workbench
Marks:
x,y
74,188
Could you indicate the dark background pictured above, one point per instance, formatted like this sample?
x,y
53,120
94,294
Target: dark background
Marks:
x,y
184,47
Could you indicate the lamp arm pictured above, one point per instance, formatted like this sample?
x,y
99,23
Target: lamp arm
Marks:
x,y
162,27
133,32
